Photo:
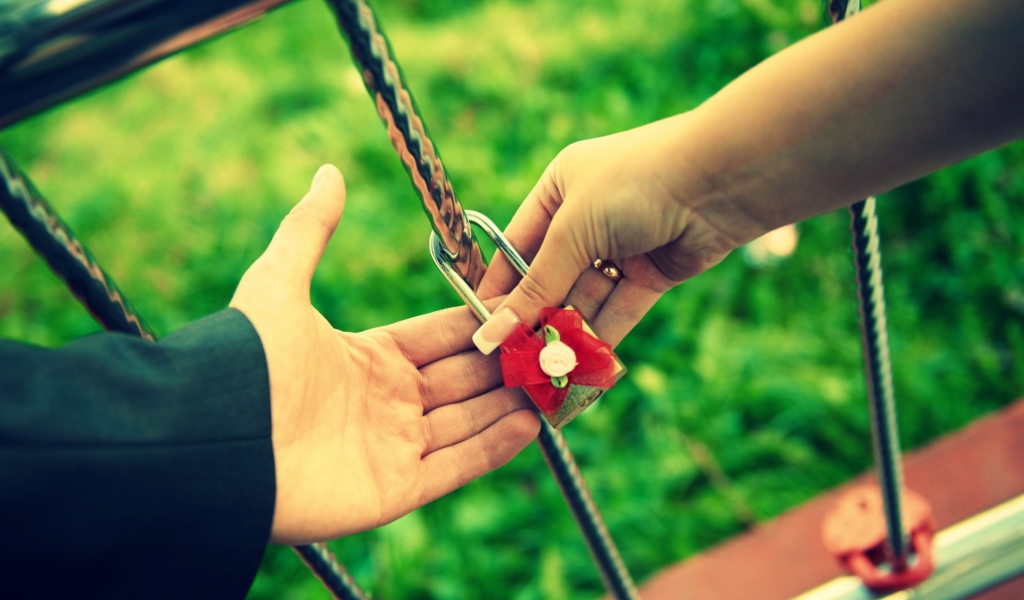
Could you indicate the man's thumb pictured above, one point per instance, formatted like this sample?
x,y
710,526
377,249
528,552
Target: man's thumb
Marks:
x,y
300,240
554,270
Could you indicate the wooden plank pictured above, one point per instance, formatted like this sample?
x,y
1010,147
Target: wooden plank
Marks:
x,y
961,474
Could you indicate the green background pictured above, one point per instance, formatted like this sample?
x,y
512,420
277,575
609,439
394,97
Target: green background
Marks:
x,y
745,395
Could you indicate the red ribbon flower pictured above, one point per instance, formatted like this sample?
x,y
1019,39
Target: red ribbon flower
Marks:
x,y
596,364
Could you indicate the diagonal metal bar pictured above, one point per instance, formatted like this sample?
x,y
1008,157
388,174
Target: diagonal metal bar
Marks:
x,y
552,443
383,79
54,50
69,258
329,571
973,556
71,261
616,577
52,239
422,160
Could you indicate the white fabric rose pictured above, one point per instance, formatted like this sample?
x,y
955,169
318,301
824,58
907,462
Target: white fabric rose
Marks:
x,y
557,359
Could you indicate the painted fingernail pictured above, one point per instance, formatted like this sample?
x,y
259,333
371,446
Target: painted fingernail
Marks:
x,y
492,333
322,174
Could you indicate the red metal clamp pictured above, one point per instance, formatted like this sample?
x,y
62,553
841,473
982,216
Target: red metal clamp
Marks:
x,y
854,532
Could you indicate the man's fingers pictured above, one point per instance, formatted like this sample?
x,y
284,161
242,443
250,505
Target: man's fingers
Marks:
x,y
300,240
436,335
451,424
558,264
458,377
452,467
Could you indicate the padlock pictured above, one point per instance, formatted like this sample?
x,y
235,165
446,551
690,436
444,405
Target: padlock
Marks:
x,y
854,532
559,399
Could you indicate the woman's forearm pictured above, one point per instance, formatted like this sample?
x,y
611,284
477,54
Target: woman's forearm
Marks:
x,y
903,89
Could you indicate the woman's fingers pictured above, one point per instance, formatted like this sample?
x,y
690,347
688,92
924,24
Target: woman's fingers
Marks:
x,y
465,375
454,466
642,285
525,232
590,292
559,263
626,305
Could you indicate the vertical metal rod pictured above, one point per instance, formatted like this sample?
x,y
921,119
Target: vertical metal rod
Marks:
x,y
867,260
878,371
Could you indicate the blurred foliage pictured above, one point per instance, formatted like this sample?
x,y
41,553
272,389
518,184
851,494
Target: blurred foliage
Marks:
x,y
177,177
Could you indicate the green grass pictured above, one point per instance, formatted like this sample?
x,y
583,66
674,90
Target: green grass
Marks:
x,y
177,177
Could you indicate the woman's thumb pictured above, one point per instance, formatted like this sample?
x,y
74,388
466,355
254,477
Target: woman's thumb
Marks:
x,y
557,266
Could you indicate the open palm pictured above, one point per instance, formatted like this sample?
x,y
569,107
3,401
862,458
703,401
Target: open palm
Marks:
x,y
368,426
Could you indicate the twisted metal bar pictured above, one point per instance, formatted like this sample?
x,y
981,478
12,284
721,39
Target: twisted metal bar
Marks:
x,y
553,444
70,260
616,577
53,50
867,258
383,79
131,35
330,572
878,371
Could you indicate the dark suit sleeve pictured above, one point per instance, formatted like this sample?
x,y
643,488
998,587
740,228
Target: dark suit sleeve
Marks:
x,y
130,469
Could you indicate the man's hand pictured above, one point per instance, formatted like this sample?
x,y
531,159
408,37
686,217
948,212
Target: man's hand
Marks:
x,y
368,426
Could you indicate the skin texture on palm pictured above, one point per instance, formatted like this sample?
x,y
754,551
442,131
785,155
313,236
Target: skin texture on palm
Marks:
x,y
368,426
905,88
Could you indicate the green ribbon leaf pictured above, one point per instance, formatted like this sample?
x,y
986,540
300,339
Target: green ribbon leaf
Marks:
x,y
551,335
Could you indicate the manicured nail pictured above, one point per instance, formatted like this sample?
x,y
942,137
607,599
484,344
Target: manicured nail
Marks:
x,y
322,174
492,333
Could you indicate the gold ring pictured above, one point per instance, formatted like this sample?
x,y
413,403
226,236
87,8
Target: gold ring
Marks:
x,y
608,269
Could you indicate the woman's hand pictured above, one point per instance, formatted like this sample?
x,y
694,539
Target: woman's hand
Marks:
x,y
628,197
368,426
871,103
